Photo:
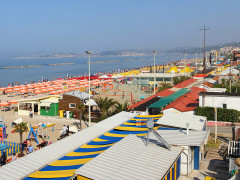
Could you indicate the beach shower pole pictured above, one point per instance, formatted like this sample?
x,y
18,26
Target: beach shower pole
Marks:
x,y
154,52
89,107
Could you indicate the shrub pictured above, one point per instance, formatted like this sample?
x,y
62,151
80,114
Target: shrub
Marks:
x,y
227,115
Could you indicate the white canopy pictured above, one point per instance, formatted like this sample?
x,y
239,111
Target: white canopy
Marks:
x,y
104,77
18,121
92,103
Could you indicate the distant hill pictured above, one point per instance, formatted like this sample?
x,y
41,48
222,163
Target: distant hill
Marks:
x,y
134,52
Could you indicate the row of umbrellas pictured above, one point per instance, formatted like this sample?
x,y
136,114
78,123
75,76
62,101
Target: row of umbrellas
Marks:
x,y
53,87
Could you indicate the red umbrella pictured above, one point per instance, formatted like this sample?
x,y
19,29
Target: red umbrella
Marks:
x,y
30,90
4,104
13,102
23,91
38,92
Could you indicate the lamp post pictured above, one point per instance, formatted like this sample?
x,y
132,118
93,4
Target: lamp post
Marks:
x,y
154,53
89,107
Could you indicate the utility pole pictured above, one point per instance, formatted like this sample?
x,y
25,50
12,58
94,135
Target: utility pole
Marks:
x,y
204,49
184,63
215,118
154,90
204,60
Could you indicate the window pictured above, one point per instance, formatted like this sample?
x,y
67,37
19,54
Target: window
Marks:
x,y
225,106
72,105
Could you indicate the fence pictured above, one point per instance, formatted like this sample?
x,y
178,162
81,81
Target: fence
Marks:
x,y
12,147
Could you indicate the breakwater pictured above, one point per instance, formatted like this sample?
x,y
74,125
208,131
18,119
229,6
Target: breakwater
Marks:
x,y
29,66
56,64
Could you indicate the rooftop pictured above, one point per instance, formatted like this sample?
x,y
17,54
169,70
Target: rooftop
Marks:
x,y
181,120
32,162
78,94
181,138
131,159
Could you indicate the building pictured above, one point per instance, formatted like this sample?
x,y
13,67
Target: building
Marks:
x,y
142,105
184,104
49,107
193,143
221,100
131,159
46,158
35,104
70,100
183,121
157,107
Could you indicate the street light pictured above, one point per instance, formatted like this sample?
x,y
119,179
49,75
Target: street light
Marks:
x,y
154,53
89,108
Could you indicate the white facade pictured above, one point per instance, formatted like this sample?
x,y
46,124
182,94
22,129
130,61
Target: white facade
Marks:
x,y
221,101
177,111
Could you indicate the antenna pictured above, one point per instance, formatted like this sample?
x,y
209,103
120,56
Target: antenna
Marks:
x,y
150,125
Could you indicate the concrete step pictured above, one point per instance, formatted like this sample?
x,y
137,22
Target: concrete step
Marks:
x,y
214,157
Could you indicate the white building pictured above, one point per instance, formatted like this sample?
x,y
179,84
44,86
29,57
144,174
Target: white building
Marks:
x,y
221,100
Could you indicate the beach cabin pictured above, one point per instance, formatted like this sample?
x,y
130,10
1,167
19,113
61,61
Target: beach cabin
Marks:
x,y
193,142
33,104
69,101
49,107
186,123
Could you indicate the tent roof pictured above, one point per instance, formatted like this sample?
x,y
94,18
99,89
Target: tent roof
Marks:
x,y
174,68
164,101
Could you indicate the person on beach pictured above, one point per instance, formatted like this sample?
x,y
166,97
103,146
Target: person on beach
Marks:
x,y
64,130
30,114
14,157
21,154
29,149
3,159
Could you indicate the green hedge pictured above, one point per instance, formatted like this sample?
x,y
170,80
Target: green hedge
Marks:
x,y
227,115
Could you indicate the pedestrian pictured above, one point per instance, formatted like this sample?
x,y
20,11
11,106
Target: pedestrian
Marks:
x,y
30,114
64,130
14,157
29,149
3,159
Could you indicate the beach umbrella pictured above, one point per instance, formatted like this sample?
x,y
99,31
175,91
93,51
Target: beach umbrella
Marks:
x,y
17,89
36,89
3,89
54,92
24,87
9,91
4,104
13,101
45,90
30,90
38,92
92,103
9,87
23,91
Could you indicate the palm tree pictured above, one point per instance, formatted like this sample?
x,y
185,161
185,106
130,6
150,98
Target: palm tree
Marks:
x,y
163,86
121,107
105,104
21,128
81,109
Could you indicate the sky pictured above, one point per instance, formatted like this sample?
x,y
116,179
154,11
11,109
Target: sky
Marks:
x,y
37,27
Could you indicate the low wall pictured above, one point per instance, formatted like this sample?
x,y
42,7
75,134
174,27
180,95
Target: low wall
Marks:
x,y
219,123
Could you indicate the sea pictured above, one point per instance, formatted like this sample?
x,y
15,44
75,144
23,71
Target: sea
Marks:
x,y
78,68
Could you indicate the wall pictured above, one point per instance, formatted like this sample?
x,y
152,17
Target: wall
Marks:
x,y
52,112
176,111
66,99
218,101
